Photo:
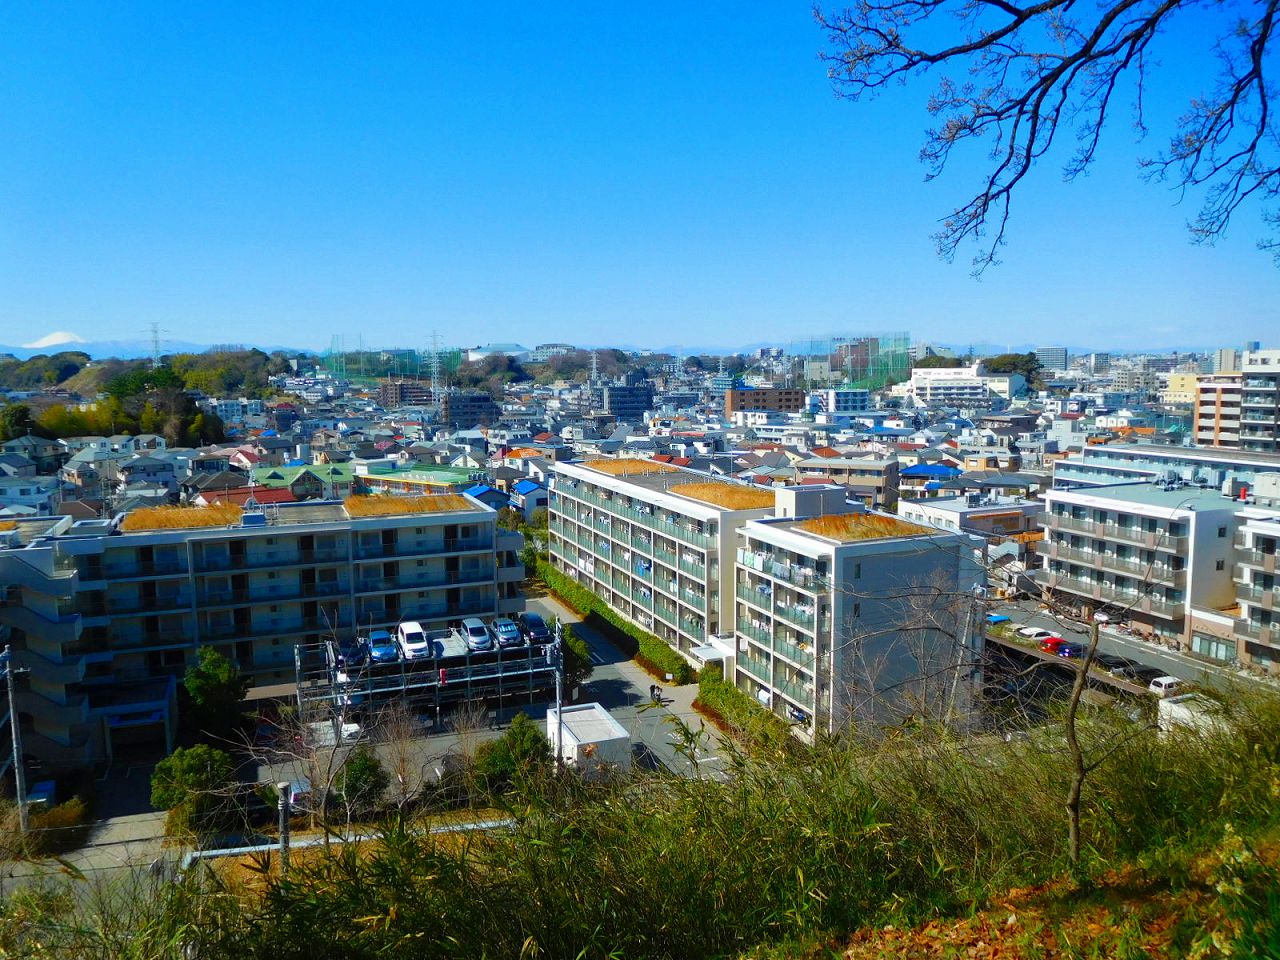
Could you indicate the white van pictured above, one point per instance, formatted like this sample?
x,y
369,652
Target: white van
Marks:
x,y
1165,687
413,640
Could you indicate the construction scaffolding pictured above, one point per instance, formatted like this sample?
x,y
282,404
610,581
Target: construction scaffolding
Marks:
x,y
858,361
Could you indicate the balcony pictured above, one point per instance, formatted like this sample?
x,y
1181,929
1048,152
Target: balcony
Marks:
x,y
804,618
1266,562
158,604
1268,598
800,692
1147,569
1266,633
1154,539
757,668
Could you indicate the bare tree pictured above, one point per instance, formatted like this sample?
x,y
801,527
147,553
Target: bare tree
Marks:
x,y
399,733
1036,72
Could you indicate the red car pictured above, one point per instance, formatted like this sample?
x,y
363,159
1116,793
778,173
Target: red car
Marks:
x,y
1051,644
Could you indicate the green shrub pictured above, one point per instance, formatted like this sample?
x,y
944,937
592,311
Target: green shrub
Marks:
x,y
649,651
737,711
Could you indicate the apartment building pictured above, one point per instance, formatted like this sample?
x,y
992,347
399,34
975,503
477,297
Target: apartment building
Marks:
x,y
962,386
1113,463
1256,636
873,480
653,541
777,399
839,401
106,613
1142,552
1052,359
1260,401
1217,422
845,617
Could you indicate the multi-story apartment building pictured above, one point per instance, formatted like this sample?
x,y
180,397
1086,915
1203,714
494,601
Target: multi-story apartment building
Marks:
x,y
105,614
1217,422
830,606
1260,401
839,401
1141,552
844,616
652,540
873,480
1256,638
777,399
1111,463
628,402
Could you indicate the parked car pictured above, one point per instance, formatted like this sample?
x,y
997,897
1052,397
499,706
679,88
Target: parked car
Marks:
x,y
534,629
1142,675
1110,662
1035,633
476,634
1072,651
382,648
1165,686
1050,644
354,651
995,618
413,640
506,633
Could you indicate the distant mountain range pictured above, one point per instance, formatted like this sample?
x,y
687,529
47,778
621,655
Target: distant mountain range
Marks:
x,y
61,341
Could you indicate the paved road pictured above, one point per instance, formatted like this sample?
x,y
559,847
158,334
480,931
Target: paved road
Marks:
x,y
1175,664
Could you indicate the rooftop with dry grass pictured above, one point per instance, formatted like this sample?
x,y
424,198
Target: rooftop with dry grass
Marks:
x,y
8,525
848,527
182,518
731,496
385,505
629,467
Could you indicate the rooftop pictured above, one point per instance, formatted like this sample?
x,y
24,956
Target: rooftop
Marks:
x,y
628,467
732,496
388,506
1155,495
181,518
850,527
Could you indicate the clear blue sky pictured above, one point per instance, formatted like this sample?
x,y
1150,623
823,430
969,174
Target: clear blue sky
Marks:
x,y
648,175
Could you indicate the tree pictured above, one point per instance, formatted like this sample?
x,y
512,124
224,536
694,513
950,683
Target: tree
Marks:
x,y
1041,71
522,750
509,518
193,784
934,361
362,782
216,689
1027,365
577,659
15,421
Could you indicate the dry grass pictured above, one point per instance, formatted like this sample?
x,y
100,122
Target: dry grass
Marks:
x,y
629,467
388,505
847,527
182,518
728,495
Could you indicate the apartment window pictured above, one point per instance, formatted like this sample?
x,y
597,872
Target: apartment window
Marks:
x,y
1220,565
272,574
275,609
857,609
1222,532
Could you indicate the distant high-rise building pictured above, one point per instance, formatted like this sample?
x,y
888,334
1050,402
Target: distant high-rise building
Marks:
x,y
1260,401
1052,358
1226,360
1099,363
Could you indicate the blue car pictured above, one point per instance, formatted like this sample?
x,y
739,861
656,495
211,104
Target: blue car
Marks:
x,y
382,647
354,651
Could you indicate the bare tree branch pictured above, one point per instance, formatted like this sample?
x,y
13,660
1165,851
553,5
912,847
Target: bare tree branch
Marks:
x,y
1032,70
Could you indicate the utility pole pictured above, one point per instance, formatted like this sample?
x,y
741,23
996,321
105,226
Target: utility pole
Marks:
x,y
557,660
282,794
19,767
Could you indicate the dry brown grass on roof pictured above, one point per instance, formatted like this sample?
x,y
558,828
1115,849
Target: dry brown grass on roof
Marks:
x,y
728,495
861,526
389,505
629,467
182,518
8,525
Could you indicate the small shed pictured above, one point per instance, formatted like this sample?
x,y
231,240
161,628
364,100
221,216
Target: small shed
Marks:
x,y
592,741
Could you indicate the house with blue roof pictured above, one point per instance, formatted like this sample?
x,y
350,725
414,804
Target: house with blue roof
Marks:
x,y
528,495
489,496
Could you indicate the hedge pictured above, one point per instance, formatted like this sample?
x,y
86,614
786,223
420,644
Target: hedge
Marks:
x,y
738,713
647,650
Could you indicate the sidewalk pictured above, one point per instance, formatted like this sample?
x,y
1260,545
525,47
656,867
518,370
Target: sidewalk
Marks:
x,y
622,686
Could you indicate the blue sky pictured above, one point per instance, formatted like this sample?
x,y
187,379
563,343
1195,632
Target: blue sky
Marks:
x,y
655,175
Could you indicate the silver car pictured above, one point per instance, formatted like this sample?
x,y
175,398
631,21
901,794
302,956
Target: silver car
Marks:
x,y
506,633
476,634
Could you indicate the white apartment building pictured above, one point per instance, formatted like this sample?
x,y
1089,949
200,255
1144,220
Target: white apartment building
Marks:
x,y
1141,552
105,614
651,540
962,386
1260,401
846,617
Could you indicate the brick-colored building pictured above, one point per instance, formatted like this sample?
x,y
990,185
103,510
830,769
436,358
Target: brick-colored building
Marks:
x,y
777,399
